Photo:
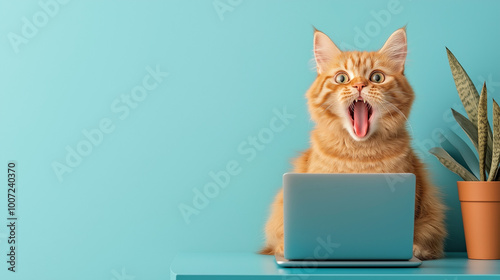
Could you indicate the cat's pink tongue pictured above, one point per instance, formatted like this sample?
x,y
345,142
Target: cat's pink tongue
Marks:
x,y
360,118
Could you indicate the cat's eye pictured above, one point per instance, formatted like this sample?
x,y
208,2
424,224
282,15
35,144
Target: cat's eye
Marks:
x,y
341,78
377,77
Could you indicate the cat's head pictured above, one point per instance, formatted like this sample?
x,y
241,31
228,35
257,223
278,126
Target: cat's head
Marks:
x,y
363,93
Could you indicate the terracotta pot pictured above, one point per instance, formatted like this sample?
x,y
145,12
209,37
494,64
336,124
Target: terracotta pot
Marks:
x,y
480,203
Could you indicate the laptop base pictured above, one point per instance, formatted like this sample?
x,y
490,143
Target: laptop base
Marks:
x,y
281,261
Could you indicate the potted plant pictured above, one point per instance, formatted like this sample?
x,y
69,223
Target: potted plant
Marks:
x,y
479,192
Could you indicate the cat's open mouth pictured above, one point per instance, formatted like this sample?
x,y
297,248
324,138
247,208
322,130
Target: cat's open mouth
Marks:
x,y
360,112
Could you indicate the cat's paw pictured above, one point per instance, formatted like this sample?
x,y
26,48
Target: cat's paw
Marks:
x,y
273,250
425,254
279,249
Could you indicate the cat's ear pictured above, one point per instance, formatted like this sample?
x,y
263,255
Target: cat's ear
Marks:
x,y
395,48
324,51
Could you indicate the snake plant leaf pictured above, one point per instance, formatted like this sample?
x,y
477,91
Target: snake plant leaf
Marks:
x,y
482,133
466,90
496,142
469,127
451,164
471,131
451,150
464,150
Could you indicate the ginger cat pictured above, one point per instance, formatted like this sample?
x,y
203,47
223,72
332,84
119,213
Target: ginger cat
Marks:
x,y
360,102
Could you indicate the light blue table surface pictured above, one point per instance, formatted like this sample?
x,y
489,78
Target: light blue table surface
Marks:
x,y
251,266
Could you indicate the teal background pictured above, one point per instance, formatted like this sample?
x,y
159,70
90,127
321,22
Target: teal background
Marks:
x,y
117,212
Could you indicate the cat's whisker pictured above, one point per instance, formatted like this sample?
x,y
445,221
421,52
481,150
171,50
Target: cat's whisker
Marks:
x,y
396,109
401,113
387,110
328,107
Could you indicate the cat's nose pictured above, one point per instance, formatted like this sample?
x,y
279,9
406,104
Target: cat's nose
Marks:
x,y
359,86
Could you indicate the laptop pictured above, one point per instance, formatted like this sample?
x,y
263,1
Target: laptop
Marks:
x,y
348,220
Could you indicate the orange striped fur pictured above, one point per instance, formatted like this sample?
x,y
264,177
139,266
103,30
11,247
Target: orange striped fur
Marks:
x,y
386,148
